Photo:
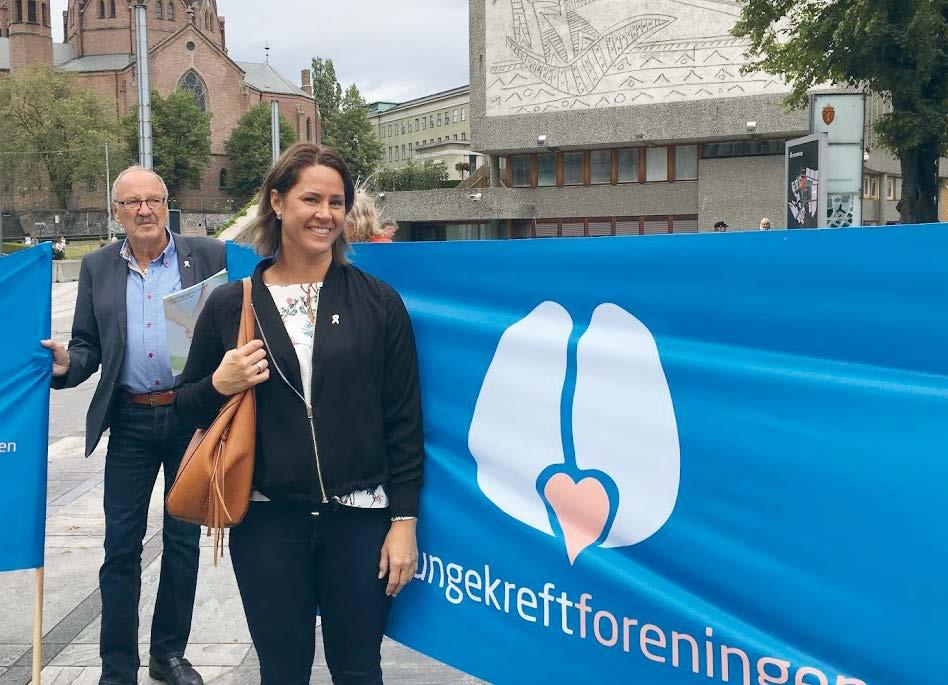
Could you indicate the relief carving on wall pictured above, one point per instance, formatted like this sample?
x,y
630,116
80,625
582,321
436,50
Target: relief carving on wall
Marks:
x,y
563,55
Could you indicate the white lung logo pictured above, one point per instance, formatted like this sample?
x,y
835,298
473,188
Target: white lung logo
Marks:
x,y
619,483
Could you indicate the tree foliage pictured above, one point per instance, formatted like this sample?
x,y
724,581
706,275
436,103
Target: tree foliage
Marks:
x,y
352,135
327,91
249,150
896,48
181,139
344,121
53,133
428,176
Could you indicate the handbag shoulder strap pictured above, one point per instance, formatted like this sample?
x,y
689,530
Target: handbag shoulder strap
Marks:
x,y
245,333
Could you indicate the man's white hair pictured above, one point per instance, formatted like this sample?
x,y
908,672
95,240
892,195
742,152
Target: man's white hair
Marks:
x,y
137,168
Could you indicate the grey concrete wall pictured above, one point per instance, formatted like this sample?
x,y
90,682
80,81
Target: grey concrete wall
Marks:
x,y
740,191
66,270
636,199
705,119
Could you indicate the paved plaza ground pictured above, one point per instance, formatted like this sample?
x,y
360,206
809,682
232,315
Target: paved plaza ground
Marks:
x,y
220,644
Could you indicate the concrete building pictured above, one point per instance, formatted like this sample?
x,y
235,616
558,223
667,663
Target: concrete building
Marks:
x,y
435,127
616,118
187,49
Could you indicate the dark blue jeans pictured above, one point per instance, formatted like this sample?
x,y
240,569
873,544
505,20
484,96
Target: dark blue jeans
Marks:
x,y
288,563
143,439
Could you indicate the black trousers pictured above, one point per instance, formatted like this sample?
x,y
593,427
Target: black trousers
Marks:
x,y
288,563
143,439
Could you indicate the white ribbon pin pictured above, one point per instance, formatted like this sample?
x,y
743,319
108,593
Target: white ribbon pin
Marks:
x,y
187,264
335,319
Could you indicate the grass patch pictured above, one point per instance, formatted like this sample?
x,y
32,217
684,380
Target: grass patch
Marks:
x,y
233,218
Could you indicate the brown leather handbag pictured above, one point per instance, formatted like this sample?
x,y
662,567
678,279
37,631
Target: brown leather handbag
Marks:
x,y
213,484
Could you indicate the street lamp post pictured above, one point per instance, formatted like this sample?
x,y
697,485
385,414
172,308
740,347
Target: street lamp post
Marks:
x,y
144,86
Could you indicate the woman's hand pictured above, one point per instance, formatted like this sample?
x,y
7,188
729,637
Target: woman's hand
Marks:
x,y
399,556
240,369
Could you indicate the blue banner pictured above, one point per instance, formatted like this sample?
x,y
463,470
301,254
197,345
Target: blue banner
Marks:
x,y
25,368
681,459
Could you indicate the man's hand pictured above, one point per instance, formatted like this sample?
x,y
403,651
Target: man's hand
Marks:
x,y
60,357
399,556
241,368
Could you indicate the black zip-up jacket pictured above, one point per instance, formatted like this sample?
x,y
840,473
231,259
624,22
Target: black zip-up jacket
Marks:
x,y
366,401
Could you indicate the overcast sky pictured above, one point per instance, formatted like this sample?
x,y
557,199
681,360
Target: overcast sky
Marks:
x,y
392,51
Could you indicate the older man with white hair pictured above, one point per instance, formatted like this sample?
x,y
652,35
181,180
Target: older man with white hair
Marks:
x,y
119,325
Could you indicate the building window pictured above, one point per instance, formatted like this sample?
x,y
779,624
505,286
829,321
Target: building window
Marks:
x,y
171,10
628,159
455,118
19,11
194,84
101,9
396,153
112,9
656,164
309,128
424,123
600,166
411,150
686,162
222,181
160,13
390,153
403,128
31,11
416,125
403,152
455,136
546,169
207,21
890,189
463,114
439,118
463,136
520,171
45,15
431,123
743,148
573,168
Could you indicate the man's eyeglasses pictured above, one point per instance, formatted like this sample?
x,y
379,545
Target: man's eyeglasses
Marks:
x,y
152,202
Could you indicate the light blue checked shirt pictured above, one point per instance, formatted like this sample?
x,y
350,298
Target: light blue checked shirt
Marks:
x,y
147,363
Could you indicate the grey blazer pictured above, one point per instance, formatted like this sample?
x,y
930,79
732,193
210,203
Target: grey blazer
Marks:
x,y
100,322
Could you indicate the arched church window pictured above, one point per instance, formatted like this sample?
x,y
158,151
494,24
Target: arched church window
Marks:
x,y
159,10
171,10
112,8
223,179
101,9
45,15
31,11
194,84
207,21
309,128
19,10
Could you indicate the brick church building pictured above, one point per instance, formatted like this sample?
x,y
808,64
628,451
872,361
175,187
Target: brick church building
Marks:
x,y
187,49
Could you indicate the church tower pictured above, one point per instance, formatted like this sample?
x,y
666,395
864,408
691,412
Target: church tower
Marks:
x,y
31,38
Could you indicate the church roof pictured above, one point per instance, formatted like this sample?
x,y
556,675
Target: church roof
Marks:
x,y
98,63
265,79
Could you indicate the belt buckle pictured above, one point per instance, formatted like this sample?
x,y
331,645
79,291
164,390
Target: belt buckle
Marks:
x,y
151,400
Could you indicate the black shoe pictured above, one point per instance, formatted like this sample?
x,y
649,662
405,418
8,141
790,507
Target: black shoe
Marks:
x,y
174,670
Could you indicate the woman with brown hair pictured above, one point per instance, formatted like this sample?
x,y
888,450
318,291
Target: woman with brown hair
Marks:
x,y
331,523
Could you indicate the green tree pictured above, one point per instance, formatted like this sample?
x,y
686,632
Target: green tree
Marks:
x,y
428,176
328,93
353,136
54,132
896,48
249,150
181,139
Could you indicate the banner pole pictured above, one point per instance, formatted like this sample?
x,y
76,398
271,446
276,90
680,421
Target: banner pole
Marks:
x,y
38,627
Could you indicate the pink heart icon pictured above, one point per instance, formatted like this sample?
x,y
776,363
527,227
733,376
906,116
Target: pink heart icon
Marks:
x,y
581,508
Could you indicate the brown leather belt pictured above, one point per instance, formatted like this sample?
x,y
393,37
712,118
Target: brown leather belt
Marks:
x,y
152,399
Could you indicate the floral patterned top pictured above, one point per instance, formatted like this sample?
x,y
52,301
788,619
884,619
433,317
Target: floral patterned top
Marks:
x,y
297,307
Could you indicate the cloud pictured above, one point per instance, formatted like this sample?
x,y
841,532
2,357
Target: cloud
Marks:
x,y
392,51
